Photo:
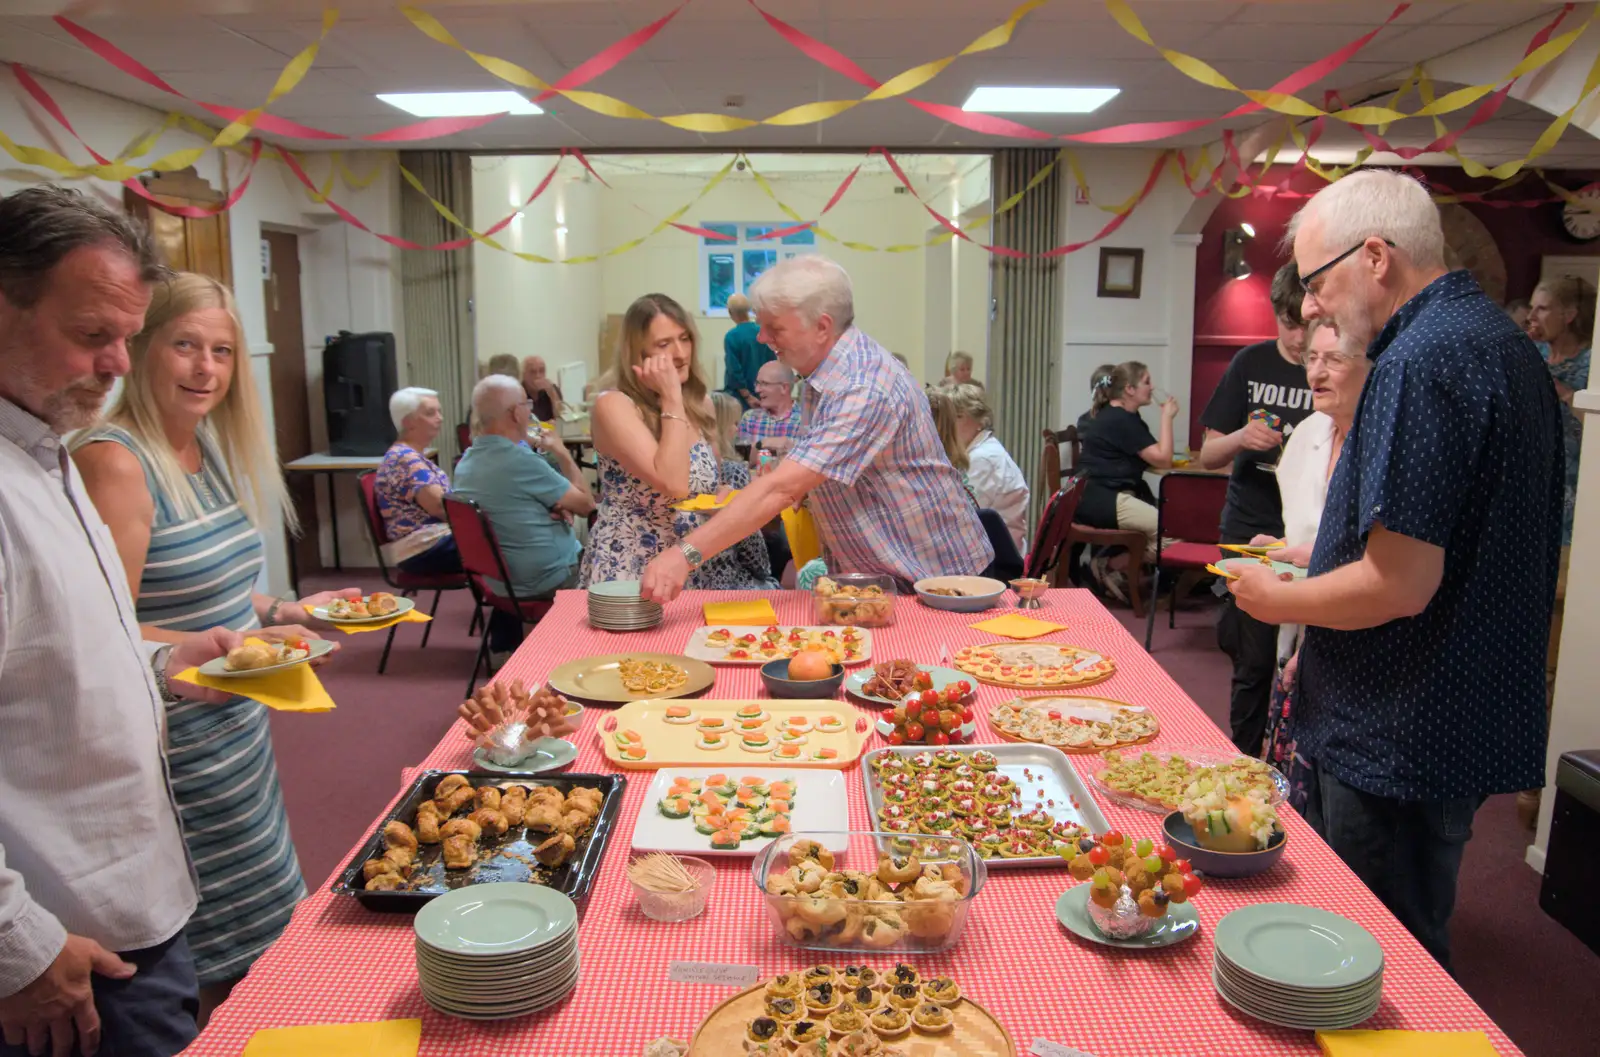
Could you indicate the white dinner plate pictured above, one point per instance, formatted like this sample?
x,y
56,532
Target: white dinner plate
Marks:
x,y
820,805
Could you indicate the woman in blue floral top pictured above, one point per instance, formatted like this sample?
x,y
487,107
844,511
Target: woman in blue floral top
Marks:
x,y
410,489
1560,321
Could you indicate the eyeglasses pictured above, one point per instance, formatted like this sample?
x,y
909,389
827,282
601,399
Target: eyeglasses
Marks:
x,y
1312,277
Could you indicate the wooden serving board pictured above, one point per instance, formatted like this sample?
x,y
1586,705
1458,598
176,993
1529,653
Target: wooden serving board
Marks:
x,y
677,744
976,1033
1065,703
1027,649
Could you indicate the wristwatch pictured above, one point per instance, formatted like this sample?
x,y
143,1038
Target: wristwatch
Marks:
x,y
158,668
692,555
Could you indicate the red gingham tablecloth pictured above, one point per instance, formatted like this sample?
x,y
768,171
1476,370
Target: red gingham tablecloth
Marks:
x,y
337,962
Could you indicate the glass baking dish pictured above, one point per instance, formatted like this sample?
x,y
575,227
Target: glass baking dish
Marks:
x,y
889,893
863,599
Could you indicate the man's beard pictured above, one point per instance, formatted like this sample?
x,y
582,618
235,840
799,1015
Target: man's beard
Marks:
x,y
1355,329
78,406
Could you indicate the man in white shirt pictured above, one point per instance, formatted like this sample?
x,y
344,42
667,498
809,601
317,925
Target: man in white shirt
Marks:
x,y
95,881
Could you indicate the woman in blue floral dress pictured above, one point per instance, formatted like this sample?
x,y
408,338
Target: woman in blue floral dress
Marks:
x,y
653,435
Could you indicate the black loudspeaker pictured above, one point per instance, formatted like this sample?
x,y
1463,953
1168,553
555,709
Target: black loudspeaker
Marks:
x,y
358,377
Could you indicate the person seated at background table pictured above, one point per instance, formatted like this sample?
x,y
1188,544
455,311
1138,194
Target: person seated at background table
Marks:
x,y
541,389
528,503
653,434
1116,450
1336,370
776,422
882,490
995,478
183,472
958,370
733,474
1269,377
1560,322
95,879
743,353
410,488
1421,680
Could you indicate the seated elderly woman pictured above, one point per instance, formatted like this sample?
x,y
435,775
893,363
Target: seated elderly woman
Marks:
x,y
958,370
541,389
1336,370
993,475
410,489
528,502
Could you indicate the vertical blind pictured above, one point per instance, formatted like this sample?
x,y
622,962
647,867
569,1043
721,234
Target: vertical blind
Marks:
x,y
1026,331
436,288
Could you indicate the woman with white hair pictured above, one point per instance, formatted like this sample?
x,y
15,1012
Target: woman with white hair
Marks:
x,y
184,474
994,477
410,489
958,370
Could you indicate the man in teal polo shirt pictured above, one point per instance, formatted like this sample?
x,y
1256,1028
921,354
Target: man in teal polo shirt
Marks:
x,y
743,355
529,503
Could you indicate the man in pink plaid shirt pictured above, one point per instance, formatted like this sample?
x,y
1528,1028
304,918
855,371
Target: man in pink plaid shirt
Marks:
x,y
884,494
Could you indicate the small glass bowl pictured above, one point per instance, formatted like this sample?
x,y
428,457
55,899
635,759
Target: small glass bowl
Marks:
x,y
679,906
863,599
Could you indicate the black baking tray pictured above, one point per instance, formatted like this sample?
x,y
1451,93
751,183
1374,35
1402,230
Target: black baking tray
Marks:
x,y
510,857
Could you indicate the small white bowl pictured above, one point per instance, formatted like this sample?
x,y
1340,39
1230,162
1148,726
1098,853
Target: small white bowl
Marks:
x,y
979,593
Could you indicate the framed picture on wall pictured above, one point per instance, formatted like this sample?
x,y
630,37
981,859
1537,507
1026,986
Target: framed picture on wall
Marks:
x,y
1121,272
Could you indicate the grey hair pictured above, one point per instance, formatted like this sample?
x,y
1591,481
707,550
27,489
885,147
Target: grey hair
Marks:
x,y
812,285
405,401
494,396
1378,202
40,225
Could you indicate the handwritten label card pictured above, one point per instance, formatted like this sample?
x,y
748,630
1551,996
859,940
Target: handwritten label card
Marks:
x,y
713,973
1046,1048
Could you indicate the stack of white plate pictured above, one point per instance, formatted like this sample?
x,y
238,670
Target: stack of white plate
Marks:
x,y
493,951
616,606
1298,967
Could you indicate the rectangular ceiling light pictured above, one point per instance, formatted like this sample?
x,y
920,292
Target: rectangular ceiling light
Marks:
x,y
459,104
1037,99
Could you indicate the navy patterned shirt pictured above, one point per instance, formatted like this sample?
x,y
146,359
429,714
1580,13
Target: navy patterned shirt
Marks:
x,y
1456,442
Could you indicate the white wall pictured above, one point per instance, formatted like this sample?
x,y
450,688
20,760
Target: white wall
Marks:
x,y
347,278
1158,327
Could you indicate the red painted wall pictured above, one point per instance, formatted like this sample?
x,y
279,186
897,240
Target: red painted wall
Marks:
x,y
1230,313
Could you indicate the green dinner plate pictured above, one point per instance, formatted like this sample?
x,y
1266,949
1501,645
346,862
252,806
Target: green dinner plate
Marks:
x,y
1232,565
497,918
1298,946
1072,910
942,677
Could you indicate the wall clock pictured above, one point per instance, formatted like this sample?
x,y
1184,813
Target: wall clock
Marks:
x,y
1582,221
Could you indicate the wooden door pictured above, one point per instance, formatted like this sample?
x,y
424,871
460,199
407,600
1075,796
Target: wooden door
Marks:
x,y
291,414
187,244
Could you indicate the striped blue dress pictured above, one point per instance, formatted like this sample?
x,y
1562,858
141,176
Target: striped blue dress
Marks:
x,y
201,573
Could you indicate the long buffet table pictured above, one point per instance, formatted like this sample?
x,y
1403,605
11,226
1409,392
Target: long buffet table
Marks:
x,y
338,962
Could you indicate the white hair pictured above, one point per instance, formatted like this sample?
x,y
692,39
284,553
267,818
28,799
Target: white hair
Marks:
x,y
810,284
1378,202
494,396
782,373
405,401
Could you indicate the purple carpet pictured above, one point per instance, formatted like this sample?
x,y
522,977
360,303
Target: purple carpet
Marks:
x,y
340,768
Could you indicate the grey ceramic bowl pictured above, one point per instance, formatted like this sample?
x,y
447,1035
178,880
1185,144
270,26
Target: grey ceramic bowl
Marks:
x,y
776,675
1221,863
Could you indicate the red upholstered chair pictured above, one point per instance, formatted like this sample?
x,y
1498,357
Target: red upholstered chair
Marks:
x,y
486,567
463,437
1188,508
400,581
1052,477
1049,551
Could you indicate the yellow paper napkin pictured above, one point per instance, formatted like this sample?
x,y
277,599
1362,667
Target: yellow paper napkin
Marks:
x,y
385,1038
758,611
705,501
1016,626
410,616
1407,1043
801,529
294,689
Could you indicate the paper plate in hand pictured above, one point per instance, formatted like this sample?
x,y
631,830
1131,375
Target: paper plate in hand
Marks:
x,y
748,644
217,666
1232,567
1034,665
601,679
401,606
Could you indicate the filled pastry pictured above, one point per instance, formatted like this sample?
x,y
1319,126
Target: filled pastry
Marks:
x,y
932,1017
890,1022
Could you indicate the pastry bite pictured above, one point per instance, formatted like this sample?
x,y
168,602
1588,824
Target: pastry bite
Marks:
x,y
846,1021
556,850
397,834
785,985
941,990
904,996
822,998
460,852
865,998
386,882
890,1022
514,804
806,1030
858,1043
764,1029
785,1010
428,823
461,827
932,1018
487,796
490,821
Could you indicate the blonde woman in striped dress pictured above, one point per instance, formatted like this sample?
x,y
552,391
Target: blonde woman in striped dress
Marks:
x,y
183,472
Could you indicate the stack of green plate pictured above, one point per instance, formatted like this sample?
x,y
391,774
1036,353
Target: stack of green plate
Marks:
x,y
617,606
494,951
1298,967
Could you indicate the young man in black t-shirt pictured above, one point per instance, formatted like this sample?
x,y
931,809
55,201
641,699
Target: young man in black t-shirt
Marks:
x,y
1262,396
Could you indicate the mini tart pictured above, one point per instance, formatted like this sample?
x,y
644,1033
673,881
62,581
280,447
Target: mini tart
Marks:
x,y
961,787
709,741
964,771
818,974
785,985
948,758
1017,849
678,714
887,762
865,997
785,1010
932,1017
845,1021
897,794
823,998
798,724
752,712
714,723
930,787
804,1031
942,991
1003,781
1034,819
902,974
890,1022
922,760
829,725
763,1029
905,996
898,780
